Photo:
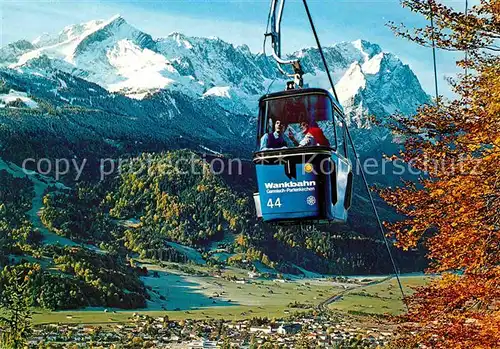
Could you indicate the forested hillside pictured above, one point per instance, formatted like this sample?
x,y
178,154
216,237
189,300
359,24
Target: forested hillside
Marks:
x,y
153,200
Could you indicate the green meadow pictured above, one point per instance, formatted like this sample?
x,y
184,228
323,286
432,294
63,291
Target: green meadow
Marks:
x,y
382,298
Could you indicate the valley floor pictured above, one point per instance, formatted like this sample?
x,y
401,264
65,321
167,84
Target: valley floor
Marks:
x,y
206,297
322,312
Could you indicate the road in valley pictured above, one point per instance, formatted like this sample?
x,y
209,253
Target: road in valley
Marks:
x,y
323,306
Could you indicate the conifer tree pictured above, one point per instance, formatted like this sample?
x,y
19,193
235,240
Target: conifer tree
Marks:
x,y
15,303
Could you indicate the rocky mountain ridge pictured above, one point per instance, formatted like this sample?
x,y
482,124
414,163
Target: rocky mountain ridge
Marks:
x,y
123,59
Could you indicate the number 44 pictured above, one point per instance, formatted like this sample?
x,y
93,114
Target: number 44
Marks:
x,y
276,203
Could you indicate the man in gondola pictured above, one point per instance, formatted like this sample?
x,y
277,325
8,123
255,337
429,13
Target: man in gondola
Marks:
x,y
276,139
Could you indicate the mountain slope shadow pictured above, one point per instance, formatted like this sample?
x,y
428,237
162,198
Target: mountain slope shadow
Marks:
x,y
178,292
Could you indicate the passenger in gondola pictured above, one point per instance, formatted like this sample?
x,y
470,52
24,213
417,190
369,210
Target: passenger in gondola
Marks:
x,y
312,135
276,139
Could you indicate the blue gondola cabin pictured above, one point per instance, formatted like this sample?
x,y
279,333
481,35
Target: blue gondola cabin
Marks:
x,y
301,175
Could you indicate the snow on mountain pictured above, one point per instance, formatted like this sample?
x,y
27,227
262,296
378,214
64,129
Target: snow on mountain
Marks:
x,y
110,53
121,58
70,32
377,83
367,49
13,96
372,65
181,40
212,62
350,84
219,91
11,53
138,68
64,45
230,98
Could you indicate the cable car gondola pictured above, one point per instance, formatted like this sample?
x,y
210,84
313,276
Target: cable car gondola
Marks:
x,y
305,182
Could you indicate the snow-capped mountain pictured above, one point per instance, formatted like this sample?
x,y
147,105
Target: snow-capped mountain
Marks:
x,y
111,53
121,58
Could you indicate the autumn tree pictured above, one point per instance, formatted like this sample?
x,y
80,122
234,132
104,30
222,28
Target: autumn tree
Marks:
x,y
455,207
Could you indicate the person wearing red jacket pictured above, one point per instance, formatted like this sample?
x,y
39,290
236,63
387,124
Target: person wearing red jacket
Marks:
x,y
313,135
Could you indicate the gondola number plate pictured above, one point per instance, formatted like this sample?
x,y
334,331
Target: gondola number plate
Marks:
x,y
276,203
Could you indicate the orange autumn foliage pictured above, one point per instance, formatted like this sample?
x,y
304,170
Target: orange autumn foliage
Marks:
x,y
455,207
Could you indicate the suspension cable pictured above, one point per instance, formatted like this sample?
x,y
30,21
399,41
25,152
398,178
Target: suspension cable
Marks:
x,y
358,161
466,51
380,226
434,51
320,50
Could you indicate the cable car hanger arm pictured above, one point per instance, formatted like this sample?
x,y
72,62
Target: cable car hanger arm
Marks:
x,y
275,16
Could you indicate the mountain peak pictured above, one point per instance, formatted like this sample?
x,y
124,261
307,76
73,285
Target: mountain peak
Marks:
x,y
116,17
181,39
75,31
214,38
176,35
110,31
244,48
21,45
367,48
115,21
119,57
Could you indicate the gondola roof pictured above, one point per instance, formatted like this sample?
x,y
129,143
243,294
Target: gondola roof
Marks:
x,y
304,91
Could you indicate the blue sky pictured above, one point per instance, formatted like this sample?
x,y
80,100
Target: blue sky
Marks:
x,y
239,22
